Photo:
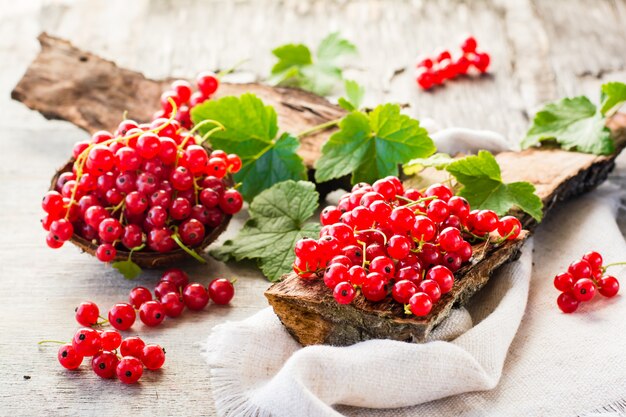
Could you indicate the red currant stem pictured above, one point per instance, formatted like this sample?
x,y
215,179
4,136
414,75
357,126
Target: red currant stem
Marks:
x,y
57,342
483,238
605,267
314,129
191,252
116,208
421,200
206,122
363,244
233,281
227,71
239,184
407,309
100,323
377,231
503,238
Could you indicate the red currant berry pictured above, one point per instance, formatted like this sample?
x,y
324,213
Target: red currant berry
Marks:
x,y
443,55
110,230
567,302
420,304
86,342
402,219
334,274
132,346
231,201
138,296
176,276
153,357
344,293
181,208
431,288
207,83
151,313
52,203
106,252
608,286
580,269
469,45
234,163
160,240
386,188
357,275
195,296
330,215
424,62
594,259
383,265
172,304
100,159
399,247
459,207
442,276
181,179
425,79
68,357
450,239
442,192
485,221
564,282
381,211
122,316
110,339
584,289
104,364
191,232
132,236
87,313
129,370
423,229
221,291
62,229
403,290
509,227
481,61
374,288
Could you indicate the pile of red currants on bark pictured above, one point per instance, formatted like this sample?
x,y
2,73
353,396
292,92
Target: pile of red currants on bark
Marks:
x,y
144,187
384,240
436,71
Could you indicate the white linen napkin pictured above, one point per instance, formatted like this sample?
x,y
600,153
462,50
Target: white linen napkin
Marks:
x,y
497,358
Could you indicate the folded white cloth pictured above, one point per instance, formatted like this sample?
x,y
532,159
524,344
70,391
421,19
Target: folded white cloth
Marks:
x,y
513,361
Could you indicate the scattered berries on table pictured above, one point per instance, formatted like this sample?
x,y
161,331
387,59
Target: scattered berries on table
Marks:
x,y
432,72
582,280
383,240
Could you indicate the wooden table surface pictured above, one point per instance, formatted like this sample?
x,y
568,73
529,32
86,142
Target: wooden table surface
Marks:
x,y
541,50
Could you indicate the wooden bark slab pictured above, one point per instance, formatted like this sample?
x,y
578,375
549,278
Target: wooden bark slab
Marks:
x,y
310,313
67,83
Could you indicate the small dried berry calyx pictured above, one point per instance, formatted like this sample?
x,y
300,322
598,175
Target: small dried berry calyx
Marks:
x,y
583,279
384,240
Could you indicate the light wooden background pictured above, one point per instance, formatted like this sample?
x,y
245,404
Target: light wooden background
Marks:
x,y
541,50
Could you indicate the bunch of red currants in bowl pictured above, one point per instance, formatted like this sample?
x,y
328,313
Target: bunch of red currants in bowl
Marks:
x,y
150,186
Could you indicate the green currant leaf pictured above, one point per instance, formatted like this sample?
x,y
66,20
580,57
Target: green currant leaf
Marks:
x,y
296,67
438,161
354,96
250,125
250,132
278,218
128,268
370,146
613,95
278,163
573,123
483,187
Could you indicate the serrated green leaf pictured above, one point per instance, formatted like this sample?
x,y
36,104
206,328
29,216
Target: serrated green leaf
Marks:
x,y
438,161
354,96
250,124
333,47
574,123
128,268
483,188
297,68
290,56
613,95
278,163
370,146
278,218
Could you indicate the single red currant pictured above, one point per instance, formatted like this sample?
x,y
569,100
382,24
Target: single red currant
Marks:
x,y
129,370
86,341
153,356
442,276
172,304
68,357
221,291
132,346
104,364
564,282
584,289
403,290
122,316
420,304
344,293
110,339
195,296
594,259
608,286
580,269
567,302
151,313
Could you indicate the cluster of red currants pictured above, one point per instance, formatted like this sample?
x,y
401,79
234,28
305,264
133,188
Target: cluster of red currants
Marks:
x,y
434,72
148,185
182,95
581,281
383,239
172,294
103,347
